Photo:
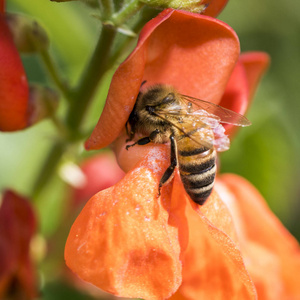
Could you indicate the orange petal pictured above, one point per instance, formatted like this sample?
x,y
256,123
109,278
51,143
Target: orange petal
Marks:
x,y
96,250
101,172
192,52
271,254
213,266
122,241
13,85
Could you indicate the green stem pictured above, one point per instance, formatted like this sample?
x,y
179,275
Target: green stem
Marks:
x,y
81,99
98,65
54,73
123,48
107,8
48,169
127,11
60,126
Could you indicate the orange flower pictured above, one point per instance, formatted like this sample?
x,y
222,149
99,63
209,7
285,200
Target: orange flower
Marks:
x,y
17,226
130,243
271,254
194,53
14,90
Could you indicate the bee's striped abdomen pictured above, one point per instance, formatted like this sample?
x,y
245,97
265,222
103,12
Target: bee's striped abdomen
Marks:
x,y
197,170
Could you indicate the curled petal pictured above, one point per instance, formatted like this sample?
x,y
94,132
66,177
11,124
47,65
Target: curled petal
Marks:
x,y
236,93
213,267
255,65
13,84
128,159
272,255
122,241
194,53
243,83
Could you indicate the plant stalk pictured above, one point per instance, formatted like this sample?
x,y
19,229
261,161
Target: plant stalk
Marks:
x,y
98,65
80,100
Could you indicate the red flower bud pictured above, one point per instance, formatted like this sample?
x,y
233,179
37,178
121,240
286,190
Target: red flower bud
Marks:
x,y
17,226
14,89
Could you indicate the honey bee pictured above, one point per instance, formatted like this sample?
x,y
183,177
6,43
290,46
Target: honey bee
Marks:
x,y
193,128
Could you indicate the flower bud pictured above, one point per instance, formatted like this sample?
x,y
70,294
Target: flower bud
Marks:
x,y
28,35
43,103
13,83
195,6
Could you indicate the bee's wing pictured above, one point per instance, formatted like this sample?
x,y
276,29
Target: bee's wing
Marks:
x,y
223,115
202,128
188,125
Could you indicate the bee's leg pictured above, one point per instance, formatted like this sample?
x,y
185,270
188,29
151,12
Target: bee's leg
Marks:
x,y
145,140
169,173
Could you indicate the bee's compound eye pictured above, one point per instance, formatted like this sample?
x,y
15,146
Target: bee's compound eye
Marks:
x,y
150,109
169,98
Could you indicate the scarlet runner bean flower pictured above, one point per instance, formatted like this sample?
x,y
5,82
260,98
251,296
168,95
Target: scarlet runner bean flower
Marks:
x,y
130,243
270,252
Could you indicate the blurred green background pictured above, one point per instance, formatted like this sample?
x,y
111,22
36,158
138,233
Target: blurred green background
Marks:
x,y
267,153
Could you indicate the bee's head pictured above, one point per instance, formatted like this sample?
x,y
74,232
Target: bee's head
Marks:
x,y
158,97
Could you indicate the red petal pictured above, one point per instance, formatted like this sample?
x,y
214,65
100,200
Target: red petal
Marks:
x,y
13,85
122,241
255,65
243,83
236,94
271,254
17,226
194,53
8,249
2,6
